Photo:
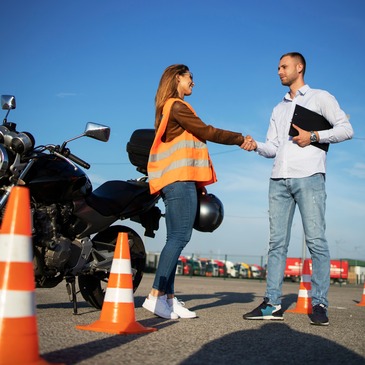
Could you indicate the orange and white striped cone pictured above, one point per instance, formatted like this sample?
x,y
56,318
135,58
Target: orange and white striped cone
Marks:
x,y
362,302
304,302
18,324
118,312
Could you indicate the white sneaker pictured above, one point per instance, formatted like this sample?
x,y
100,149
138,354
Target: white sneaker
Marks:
x,y
178,307
159,306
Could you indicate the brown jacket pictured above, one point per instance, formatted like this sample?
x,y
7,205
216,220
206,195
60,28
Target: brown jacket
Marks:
x,y
182,118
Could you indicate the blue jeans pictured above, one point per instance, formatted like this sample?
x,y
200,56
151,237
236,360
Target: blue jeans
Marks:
x,y
309,194
180,199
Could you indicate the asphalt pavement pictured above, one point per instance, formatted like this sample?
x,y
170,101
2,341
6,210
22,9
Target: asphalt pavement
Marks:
x,y
218,336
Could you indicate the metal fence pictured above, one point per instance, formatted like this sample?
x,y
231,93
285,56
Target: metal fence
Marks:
x,y
243,266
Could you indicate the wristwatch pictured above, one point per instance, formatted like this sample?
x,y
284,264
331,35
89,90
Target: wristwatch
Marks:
x,y
313,137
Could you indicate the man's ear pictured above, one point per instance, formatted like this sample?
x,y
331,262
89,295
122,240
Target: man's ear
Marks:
x,y
300,68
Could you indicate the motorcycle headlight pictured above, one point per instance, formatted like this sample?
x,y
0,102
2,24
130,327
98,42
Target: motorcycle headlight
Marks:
x,y
4,161
22,142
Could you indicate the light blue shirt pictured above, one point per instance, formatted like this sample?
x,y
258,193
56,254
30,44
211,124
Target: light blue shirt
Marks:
x,y
292,161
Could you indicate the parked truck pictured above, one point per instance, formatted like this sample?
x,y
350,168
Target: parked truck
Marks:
x,y
230,270
243,271
338,273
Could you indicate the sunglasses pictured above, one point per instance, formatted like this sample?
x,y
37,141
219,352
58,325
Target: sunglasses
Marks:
x,y
188,73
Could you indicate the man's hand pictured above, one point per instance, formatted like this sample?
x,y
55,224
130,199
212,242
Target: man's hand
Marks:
x,y
303,138
249,144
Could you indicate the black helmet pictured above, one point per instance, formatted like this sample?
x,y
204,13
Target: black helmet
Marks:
x,y
210,212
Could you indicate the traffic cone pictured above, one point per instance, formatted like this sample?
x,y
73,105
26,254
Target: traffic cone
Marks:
x,y
117,313
304,302
18,324
362,302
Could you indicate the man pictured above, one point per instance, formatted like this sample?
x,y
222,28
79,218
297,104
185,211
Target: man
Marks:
x,y
298,178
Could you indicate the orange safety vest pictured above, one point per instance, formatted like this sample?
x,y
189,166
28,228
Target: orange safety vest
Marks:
x,y
185,158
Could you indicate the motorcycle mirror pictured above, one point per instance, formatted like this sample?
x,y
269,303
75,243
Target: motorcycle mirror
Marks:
x,y
8,102
97,131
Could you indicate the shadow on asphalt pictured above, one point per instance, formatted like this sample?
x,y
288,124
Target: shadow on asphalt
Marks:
x,y
221,299
273,343
75,354
270,344
225,298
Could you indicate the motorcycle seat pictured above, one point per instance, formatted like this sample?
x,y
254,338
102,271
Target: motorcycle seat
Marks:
x,y
119,197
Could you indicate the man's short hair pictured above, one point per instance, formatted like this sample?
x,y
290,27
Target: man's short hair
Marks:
x,y
298,56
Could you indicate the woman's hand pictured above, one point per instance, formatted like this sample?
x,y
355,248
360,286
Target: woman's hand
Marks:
x,y
249,144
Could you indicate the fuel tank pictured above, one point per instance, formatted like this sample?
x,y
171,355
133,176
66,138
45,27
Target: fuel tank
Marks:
x,y
52,180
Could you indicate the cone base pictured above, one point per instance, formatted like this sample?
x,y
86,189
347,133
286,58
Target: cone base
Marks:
x,y
304,306
361,304
118,328
299,310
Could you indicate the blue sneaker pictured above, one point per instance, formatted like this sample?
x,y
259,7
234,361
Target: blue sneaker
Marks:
x,y
266,311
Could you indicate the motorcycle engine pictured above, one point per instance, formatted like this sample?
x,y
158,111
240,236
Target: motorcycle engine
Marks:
x,y
56,247
60,253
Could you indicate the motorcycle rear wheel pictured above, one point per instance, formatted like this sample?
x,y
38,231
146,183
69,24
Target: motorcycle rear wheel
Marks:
x,y
90,286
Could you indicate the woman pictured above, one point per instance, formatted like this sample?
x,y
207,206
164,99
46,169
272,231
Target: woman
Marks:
x,y
179,163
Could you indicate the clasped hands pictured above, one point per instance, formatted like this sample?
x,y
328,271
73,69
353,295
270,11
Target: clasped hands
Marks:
x,y
249,144
302,140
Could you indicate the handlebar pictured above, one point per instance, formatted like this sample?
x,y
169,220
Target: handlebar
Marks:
x,y
66,152
78,160
22,143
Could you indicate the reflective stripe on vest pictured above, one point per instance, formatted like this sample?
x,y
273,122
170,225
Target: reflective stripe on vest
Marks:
x,y
185,158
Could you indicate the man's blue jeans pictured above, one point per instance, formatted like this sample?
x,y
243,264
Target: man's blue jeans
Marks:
x,y
180,199
309,194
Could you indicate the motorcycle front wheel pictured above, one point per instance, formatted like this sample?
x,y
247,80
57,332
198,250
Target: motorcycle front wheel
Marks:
x,y
92,287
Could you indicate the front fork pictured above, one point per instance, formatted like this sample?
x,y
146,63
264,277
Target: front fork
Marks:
x,y
15,181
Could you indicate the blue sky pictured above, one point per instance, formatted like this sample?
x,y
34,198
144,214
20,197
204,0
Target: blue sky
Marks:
x,y
73,62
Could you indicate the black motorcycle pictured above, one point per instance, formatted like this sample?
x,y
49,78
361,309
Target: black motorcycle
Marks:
x,y
73,233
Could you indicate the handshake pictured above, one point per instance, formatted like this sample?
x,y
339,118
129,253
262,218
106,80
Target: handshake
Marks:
x,y
249,144
302,139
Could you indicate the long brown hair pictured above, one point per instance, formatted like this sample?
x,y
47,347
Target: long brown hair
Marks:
x,y
167,88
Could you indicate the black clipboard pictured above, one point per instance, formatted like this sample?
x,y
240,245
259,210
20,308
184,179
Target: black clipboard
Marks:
x,y
309,121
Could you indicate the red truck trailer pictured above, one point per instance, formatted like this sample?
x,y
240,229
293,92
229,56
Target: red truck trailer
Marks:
x,y
339,270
